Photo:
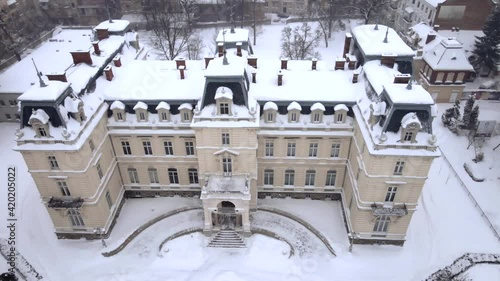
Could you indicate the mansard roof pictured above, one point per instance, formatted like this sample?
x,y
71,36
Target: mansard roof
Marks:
x,y
447,55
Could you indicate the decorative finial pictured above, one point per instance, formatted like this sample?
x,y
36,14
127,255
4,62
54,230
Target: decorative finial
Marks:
x,y
42,83
408,87
224,61
386,34
376,26
109,14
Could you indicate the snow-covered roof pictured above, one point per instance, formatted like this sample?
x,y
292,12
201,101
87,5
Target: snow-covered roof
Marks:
x,y
379,108
117,105
223,92
235,67
49,93
239,35
39,115
187,106
399,93
270,106
410,118
114,26
371,41
294,106
318,106
448,55
378,75
340,106
140,105
71,104
163,105
423,30
434,3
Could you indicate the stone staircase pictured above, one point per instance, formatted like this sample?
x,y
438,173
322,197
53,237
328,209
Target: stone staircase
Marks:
x,y
227,239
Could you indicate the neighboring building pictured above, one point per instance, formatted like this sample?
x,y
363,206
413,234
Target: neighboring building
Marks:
x,y
287,7
230,131
73,55
464,14
402,14
81,12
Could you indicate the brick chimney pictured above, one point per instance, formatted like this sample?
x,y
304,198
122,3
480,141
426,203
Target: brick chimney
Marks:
x,y
352,61
57,77
254,77
252,61
220,49
207,61
95,44
180,62
81,56
280,78
388,60
401,78
238,49
339,64
436,27
284,63
108,71
347,43
181,71
314,62
102,33
355,76
117,61
430,38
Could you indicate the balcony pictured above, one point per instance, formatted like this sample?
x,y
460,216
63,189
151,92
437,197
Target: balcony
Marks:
x,y
398,211
65,202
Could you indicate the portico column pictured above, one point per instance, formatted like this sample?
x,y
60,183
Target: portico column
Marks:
x,y
246,221
208,221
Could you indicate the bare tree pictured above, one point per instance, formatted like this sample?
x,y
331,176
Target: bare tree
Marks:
x,y
300,42
169,26
256,28
370,10
191,11
194,47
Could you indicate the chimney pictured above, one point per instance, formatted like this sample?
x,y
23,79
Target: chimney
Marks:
x,y
355,75
180,62
388,60
81,56
284,63
95,44
314,62
401,78
57,77
436,27
207,61
430,38
280,78
238,49
352,62
108,71
420,52
252,61
254,77
117,61
102,33
347,43
339,64
181,71
220,49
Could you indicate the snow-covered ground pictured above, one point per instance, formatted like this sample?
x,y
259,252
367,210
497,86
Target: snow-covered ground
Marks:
x,y
445,226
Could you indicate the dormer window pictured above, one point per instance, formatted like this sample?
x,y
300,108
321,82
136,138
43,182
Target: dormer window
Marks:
x,y
141,111
142,116
75,107
270,109
163,109
118,109
39,120
270,116
42,132
317,111
185,111
223,108
224,99
340,113
294,109
293,117
410,126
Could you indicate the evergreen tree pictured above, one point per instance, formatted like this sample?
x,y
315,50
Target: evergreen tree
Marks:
x,y
467,111
473,119
456,110
486,47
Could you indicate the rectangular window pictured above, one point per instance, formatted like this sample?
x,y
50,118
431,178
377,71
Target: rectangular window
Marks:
x,y
449,77
340,117
99,170
109,200
63,187
75,218
381,224
224,108
270,117
391,194
268,177
133,175
148,149
142,116
185,116
153,175
227,166
126,148
293,117
408,136
310,175
398,169
289,177
8,116
12,103
269,148
335,150
53,163
193,176
18,117
169,148
91,145
331,176
119,116
316,117
313,149
290,151
164,116
2,103
173,176
225,139
189,148
42,132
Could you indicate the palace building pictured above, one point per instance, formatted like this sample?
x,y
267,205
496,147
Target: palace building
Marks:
x,y
233,129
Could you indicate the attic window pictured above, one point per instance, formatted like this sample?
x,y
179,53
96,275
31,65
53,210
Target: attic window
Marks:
x,y
42,132
142,116
119,116
224,108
